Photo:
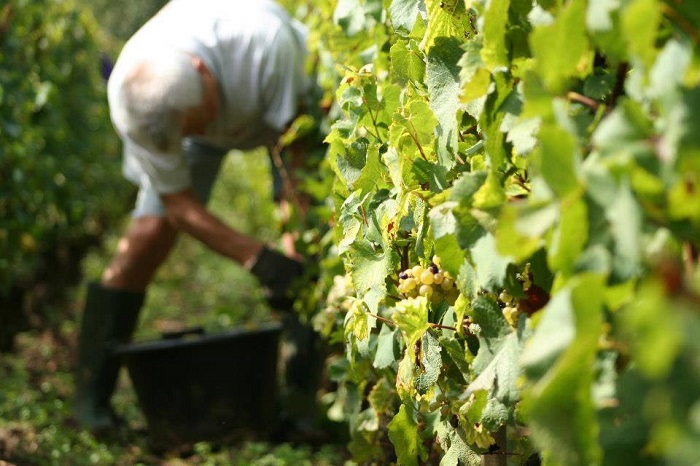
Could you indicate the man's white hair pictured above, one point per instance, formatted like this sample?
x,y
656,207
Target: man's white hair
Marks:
x,y
150,104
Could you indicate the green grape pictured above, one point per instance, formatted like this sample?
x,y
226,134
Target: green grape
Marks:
x,y
505,297
410,283
432,282
426,277
511,314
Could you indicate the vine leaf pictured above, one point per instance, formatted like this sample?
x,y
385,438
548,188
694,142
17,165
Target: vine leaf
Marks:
x,y
569,238
495,53
599,15
523,226
370,267
457,450
640,22
382,397
442,78
350,15
561,48
407,63
405,435
404,13
447,18
559,401
475,79
670,68
490,265
350,221
445,226
357,322
457,357
496,364
558,160
429,363
625,130
498,379
411,316
625,217
387,348
414,133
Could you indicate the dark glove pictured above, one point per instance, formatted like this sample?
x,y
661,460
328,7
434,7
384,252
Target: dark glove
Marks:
x,y
276,273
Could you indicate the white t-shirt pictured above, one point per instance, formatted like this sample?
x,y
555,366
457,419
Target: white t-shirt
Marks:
x,y
255,51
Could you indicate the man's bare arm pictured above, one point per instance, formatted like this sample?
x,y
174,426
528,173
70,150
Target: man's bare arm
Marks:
x,y
188,214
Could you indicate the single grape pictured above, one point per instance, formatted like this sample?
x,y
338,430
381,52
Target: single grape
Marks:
x,y
433,268
425,290
438,278
417,270
447,283
426,277
410,283
505,297
403,275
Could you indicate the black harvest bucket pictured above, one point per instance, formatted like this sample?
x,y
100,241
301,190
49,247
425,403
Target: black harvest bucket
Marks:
x,y
192,386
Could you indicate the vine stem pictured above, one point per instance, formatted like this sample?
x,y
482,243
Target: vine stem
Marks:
x,y
391,322
289,185
691,258
415,139
442,327
495,459
619,88
681,21
383,319
374,121
582,99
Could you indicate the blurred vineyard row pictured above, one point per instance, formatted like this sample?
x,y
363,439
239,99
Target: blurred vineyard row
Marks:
x,y
60,183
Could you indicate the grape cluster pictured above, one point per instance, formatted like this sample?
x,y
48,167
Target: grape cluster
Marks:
x,y
431,281
534,298
510,308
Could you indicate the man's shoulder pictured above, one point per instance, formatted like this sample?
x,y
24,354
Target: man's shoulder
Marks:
x,y
181,20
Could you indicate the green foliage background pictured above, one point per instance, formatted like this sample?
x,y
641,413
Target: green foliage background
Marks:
x,y
57,163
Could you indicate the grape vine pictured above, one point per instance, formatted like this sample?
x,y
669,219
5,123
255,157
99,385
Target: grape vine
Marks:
x,y
547,153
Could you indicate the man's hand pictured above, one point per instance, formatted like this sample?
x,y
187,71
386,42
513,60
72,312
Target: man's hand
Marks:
x,y
277,273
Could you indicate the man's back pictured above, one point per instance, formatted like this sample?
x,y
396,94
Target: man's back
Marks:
x,y
254,50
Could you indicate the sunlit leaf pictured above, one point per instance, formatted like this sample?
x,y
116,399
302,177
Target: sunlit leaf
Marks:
x,y
561,49
561,365
404,434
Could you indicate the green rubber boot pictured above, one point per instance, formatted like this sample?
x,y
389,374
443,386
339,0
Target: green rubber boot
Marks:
x,y
109,319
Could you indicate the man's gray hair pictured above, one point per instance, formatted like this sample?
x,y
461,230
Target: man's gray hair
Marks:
x,y
154,95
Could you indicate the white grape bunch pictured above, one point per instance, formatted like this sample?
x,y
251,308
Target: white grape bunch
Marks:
x,y
431,281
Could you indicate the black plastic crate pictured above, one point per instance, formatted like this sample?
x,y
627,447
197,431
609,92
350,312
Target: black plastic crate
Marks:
x,y
193,386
